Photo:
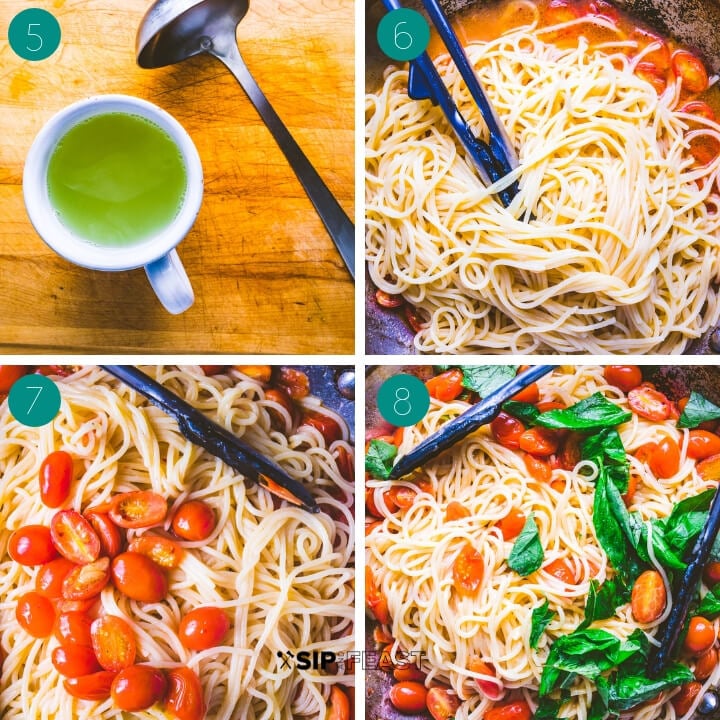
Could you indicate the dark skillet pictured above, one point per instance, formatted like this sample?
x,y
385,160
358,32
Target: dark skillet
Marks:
x,y
695,23
676,382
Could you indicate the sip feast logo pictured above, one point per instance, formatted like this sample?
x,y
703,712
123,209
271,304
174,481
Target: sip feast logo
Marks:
x,y
306,660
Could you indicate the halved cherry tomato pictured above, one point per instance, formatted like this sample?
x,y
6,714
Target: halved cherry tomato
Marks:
x,y
138,577
623,377
74,661
375,598
569,454
647,402
415,320
138,687
324,424
447,386
113,641
9,374
213,369
468,571
704,148
650,73
490,689
660,57
387,300
441,703
706,664
111,541
540,441
73,628
56,474
385,661
35,614
699,108
665,459
90,687
87,581
74,537
648,597
538,468
339,704
50,577
409,672
562,570
456,511
203,628
408,697
162,551
512,524
507,430
700,635
138,509
282,399
684,699
294,382
519,710
345,465
709,468
690,70
194,520
403,497
559,11
530,394
263,373
645,452
184,696
370,505
32,545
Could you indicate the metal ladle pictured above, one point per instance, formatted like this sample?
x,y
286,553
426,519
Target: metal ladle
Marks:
x,y
173,30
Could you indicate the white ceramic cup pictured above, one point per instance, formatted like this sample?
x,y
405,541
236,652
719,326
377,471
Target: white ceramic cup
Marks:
x,y
157,254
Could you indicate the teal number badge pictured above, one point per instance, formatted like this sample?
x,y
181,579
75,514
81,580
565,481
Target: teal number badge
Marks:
x,y
403,400
34,400
403,34
34,34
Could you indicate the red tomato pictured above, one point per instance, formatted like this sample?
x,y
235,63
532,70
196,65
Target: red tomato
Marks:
x,y
194,520
491,690
704,149
711,573
345,464
324,424
375,598
442,704
569,454
370,505
683,700
113,641
649,403
73,628
547,405
276,419
339,705
56,474
32,545
468,570
83,606
138,577
540,441
388,301
562,570
624,377
74,661
699,108
632,488
690,70
184,697
162,551
456,511
530,394
408,697
700,635
660,57
538,468
74,537
50,577
203,628
111,540
559,11
35,614
409,672
263,373
90,687
706,664
9,374
519,710
709,468
665,459
213,369
138,509
652,74
447,386
294,382
87,581
138,687
512,524
507,430
412,315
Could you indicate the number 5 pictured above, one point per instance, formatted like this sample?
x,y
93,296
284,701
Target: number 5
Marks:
x,y
398,33
34,35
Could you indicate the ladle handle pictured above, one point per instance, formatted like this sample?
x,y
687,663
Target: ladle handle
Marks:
x,y
339,226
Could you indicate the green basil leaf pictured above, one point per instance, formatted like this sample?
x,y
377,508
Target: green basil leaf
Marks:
x,y
527,554
526,412
598,709
710,604
696,503
681,533
483,379
378,461
698,410
606,447
602,601
547,709
626,691
592,413
541,618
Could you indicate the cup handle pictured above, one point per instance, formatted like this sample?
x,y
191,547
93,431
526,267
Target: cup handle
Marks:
x,y
171,283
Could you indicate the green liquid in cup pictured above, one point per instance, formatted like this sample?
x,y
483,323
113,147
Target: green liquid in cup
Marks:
x,y
116,179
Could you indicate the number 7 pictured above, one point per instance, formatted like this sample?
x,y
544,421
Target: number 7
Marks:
x,y
39,390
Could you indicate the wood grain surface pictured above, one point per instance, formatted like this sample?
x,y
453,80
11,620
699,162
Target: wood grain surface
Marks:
x,y
266,275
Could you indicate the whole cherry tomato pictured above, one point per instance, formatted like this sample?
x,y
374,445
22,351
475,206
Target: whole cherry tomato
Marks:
x,y
711,573
203,628
111,541
447,386
702,444
648,597
684,699
690,70
507,430
138,577
90,687
706,664
194,520
56,474
387,300
468,570
294,382
74,661
512,524
162,551
32,545
538,468
540,441
324,424
647,402
138,687
184,696
408,697
73,628
665,459
624,377
74,537
339,704
50,577
700,635
87,581
113,641
35,614
138,509
519,710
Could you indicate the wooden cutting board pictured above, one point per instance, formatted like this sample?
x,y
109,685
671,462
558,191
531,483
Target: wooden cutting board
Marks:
x,y
266,275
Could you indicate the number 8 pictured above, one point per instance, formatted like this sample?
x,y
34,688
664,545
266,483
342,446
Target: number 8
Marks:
x,y
398,33
404,400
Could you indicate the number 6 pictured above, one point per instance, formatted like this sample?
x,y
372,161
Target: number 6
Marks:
x,y
32,34
398,33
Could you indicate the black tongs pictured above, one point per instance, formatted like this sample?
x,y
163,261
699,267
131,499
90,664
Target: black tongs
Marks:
x,y
216,439
494,160
458,428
